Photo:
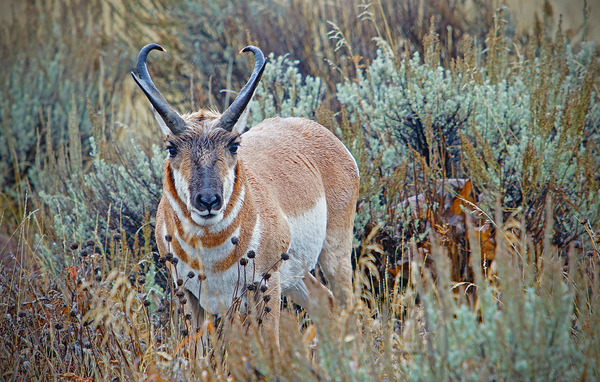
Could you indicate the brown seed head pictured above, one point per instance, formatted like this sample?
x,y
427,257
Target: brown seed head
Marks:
x,y
251,254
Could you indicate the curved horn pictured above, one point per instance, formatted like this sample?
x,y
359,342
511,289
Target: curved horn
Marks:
x,y
172,119
235,110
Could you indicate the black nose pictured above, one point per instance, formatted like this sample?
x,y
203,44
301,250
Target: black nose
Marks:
x,y
208,203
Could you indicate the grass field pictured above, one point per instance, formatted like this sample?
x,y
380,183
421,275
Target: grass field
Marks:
x,y
477,232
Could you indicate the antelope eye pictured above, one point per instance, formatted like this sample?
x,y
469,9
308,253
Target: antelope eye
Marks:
x,y
172,151
233,147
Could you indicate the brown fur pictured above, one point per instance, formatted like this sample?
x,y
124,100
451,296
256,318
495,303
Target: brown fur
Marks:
x,y
285,165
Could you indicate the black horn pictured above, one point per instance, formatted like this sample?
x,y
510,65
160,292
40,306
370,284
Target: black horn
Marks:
x,y
172,118
235,110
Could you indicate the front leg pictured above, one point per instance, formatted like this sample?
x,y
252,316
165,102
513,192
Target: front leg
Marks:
x,y
194,323
269,305
193,314
311,295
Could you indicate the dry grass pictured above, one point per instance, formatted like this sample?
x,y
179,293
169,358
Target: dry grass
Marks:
x,y
431,304
104,318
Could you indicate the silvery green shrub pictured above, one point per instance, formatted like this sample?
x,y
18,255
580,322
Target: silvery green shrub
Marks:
x,y
284,92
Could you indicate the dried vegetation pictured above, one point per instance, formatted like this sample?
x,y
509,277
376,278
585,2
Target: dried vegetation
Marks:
x,y
477,232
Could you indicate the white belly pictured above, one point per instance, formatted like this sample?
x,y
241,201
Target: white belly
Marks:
x,y
307,235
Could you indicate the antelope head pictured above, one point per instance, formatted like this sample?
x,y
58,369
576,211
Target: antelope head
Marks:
x,y
202,146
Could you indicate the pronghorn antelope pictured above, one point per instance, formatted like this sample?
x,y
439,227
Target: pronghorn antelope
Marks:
x,y
236,203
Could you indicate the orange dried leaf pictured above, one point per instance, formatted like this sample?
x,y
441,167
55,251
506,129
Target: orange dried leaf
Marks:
x,y
309,334
465,194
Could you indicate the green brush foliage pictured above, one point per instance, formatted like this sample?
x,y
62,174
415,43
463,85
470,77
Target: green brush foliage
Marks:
x,y
284,92
526,323
526,135
111,195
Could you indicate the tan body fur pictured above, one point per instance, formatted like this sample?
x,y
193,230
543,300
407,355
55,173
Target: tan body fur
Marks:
x,y
284,166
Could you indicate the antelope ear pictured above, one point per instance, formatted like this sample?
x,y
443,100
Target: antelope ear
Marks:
x,y
240,125
161,122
